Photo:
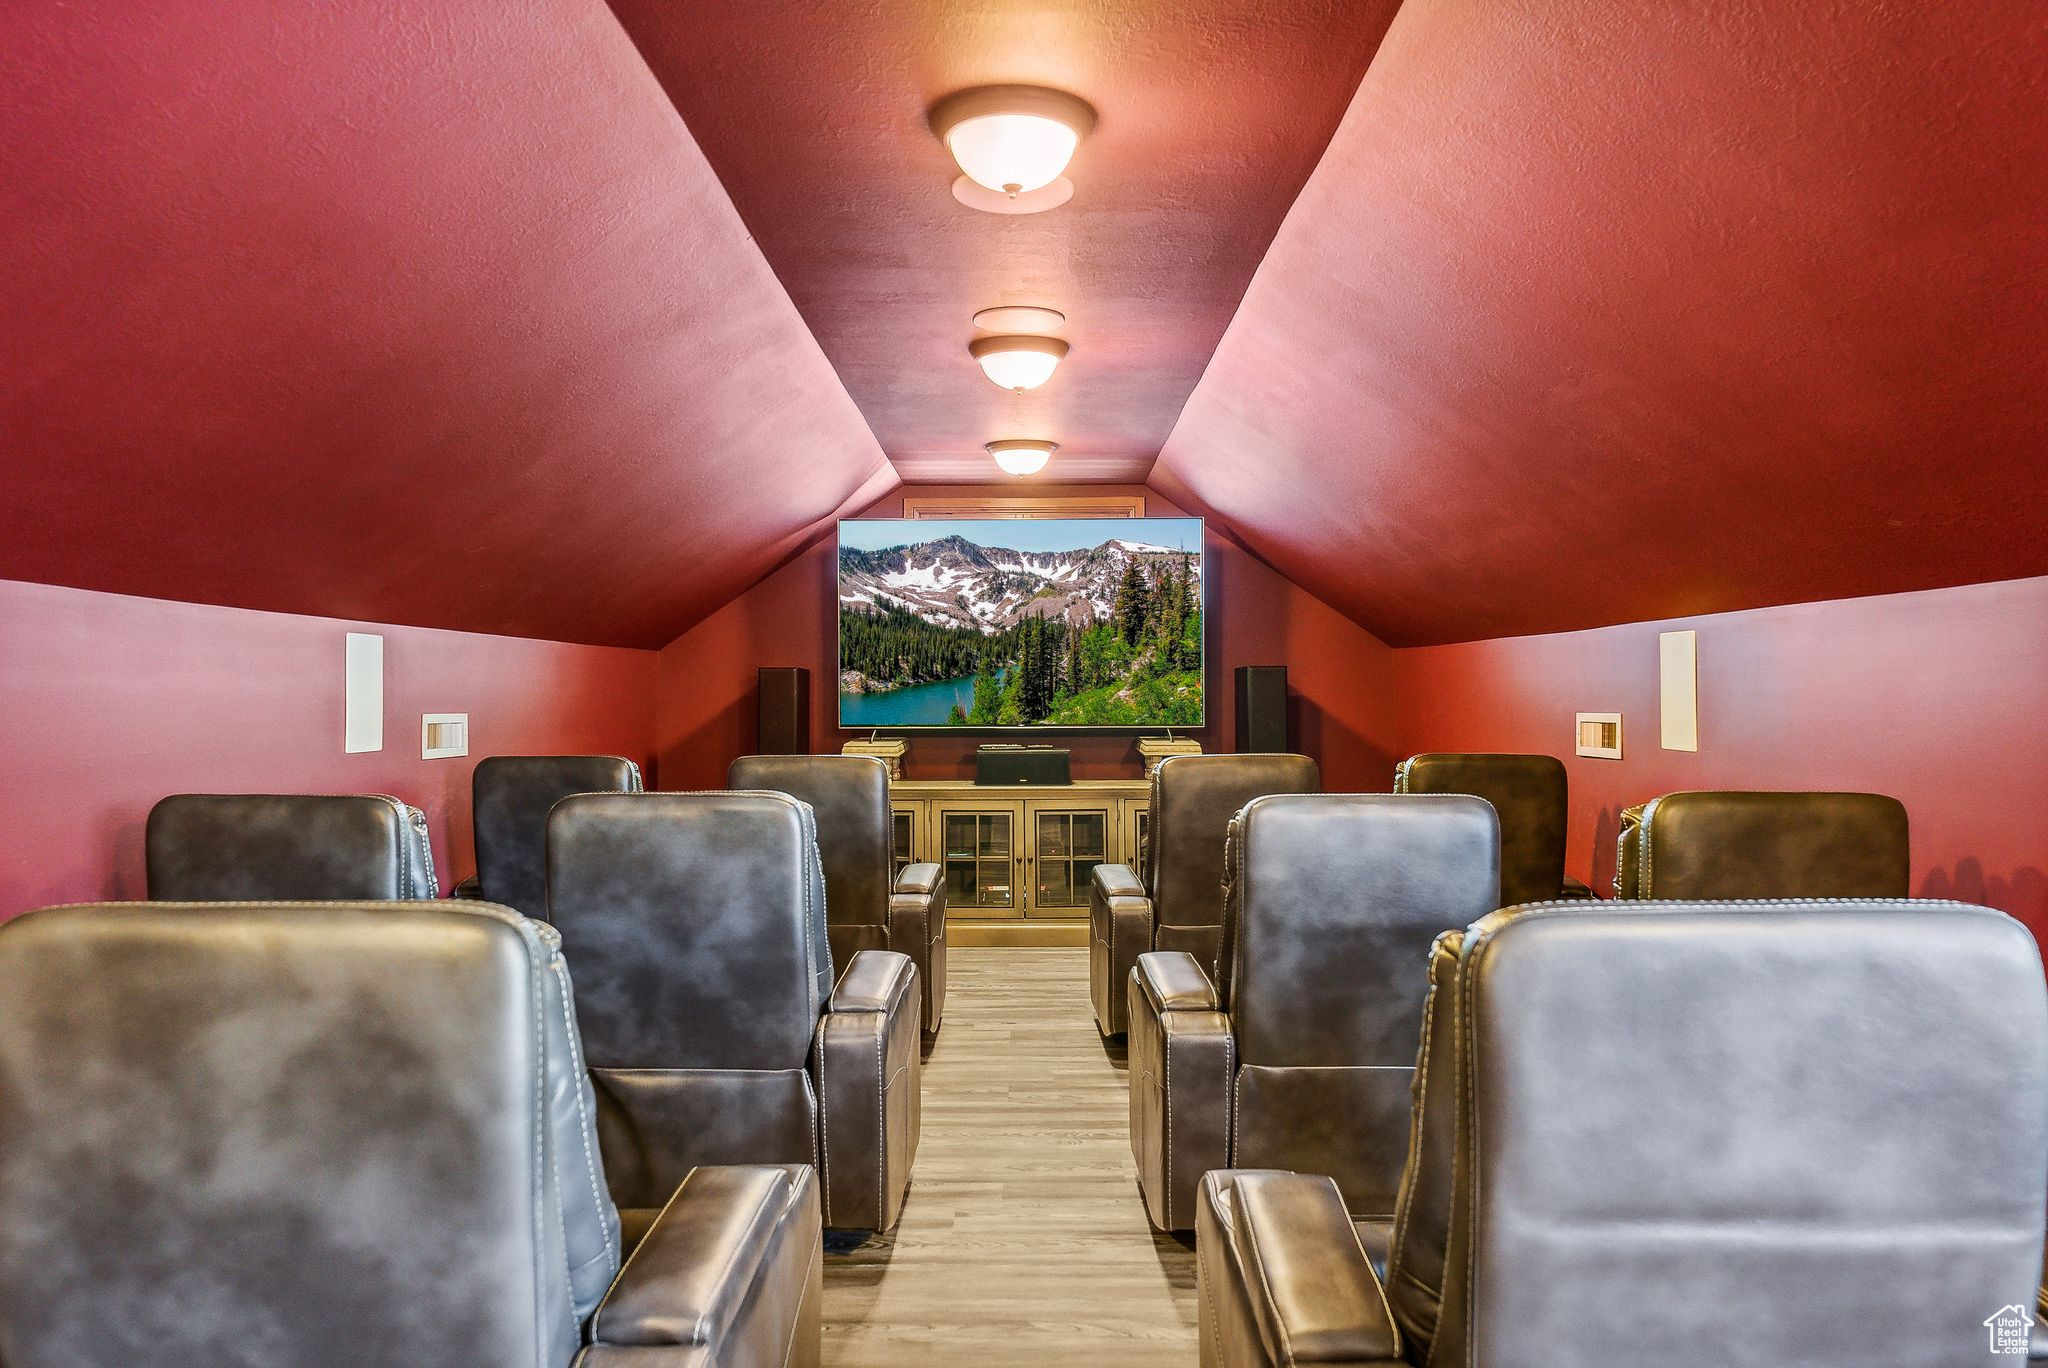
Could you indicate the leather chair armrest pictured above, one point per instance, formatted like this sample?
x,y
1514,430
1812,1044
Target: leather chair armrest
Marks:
x,y
1313,1295
917,928
1119,930
876,981
918,878
1173,981
1574,889
469,888
1117,881
867,1066
729,1270
1183,1065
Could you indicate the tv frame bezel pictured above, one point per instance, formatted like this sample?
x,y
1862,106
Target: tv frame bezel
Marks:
x,y
1022,728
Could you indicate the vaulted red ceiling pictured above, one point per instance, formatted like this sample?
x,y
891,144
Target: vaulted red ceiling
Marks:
x,y
427,314
1602,312
814,112
1591,312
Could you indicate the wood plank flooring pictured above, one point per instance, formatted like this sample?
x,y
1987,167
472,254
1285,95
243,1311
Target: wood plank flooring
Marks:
x,y
1023,1240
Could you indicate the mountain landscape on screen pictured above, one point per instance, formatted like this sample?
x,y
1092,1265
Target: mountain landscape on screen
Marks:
x,y
1078,623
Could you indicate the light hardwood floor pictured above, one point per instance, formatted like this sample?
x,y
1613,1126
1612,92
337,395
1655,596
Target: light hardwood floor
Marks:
x,y
1023,1240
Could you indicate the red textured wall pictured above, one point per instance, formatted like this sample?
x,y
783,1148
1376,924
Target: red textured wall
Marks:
x,y
1935,698
1338,674
108,703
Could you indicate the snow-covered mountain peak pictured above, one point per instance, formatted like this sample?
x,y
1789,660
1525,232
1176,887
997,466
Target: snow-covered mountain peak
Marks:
x,y
953,582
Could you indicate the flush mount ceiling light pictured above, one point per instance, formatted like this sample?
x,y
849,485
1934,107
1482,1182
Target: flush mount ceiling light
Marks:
x,y
1012,142
1019,457
1019,318
1018,363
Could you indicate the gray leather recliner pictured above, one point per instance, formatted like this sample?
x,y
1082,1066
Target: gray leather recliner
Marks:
x,y
714,1029
1178,904
867,905
354,1134
1727,845
1300,1053
1530,794
510,798
243,847
1696,1134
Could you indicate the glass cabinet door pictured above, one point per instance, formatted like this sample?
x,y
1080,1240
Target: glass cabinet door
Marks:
x,y
978,850
1067,844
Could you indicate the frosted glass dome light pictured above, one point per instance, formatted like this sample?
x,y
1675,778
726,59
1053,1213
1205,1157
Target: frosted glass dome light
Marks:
x,y
1019,457
1018,363
1012,139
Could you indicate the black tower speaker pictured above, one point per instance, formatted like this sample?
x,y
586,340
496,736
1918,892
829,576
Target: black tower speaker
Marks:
x,y
785,711
1262,709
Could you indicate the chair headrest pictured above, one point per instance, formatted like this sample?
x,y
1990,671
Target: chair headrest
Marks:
x,y
1786,1103
512,795
1731,845
242,847
1333,900
849,798
1530,794
696,922
339,1120
1193,799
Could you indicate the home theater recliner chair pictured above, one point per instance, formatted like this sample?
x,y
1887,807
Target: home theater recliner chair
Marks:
x,y
1530,793
1301,1052
349,1134
1726,845
241,847
867,905
711,1022
1178,905
1824,1186
511,796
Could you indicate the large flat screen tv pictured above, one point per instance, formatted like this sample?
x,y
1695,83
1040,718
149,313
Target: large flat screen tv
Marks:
x,y
1049,624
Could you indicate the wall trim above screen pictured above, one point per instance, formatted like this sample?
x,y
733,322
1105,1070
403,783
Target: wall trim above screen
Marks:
x,y
1041,625
1052,506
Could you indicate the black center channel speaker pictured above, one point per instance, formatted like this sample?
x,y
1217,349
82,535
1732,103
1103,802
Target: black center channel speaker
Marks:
x,y
1006,765
785,711
1262,709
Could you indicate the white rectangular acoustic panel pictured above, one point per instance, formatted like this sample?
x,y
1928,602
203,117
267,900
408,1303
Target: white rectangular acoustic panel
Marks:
x,y
1679,688
363,694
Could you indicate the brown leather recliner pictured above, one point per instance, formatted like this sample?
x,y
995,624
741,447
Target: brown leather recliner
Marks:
x,y
1178,905
1300,1054
510,798
867,907
1530,794
1851,1175
355,1133
260,847
715,1032
1763,845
